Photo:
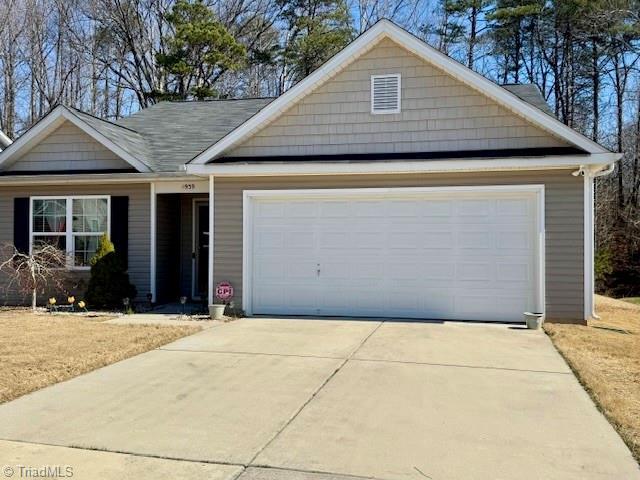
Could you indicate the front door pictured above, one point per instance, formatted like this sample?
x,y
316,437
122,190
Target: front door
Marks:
x,y
201,249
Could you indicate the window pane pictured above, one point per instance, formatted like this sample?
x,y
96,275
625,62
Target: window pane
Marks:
x,y
90,215
49,216
85,249
59,241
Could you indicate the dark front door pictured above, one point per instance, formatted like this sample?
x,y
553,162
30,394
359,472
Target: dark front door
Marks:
x,y
202,248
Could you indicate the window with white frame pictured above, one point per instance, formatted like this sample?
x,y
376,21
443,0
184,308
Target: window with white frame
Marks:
x,y
73,224
385,93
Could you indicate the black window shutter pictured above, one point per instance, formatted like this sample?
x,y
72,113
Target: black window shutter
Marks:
x,y
21,224
120,227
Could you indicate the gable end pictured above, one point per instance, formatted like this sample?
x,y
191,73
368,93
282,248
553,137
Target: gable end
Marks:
x,y
437,113
67,149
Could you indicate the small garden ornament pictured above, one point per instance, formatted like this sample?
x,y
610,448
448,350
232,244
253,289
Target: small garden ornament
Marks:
x,y
224,292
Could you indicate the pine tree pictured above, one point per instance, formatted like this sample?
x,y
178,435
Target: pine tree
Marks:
x,y
317,29
467,19
198,52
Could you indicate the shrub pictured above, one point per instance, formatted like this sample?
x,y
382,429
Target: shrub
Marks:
x,y
109,282
105,246
603,265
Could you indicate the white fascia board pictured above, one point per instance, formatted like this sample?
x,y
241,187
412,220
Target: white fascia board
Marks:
x,y
48,124
32,136
399,166
364,43
96,178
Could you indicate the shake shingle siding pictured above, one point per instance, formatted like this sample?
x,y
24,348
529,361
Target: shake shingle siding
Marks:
x,y
438,113
66,149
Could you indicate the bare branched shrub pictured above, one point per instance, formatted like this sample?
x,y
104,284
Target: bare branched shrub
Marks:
x,y
30,274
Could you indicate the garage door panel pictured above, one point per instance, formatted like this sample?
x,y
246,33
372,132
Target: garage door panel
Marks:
x,y
474,272
476,210
270,239
332,239
469,256
514,241
481,307
268,210
273,268
475,239
368,239
300,209
334,209
514,272
299,240
515,208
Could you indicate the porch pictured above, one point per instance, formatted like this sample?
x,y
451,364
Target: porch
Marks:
x,y
179,242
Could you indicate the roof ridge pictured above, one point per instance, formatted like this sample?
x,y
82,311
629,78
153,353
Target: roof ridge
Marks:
x,y
103,120
206,100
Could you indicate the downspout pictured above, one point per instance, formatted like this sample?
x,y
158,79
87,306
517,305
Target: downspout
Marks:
x,y
589,235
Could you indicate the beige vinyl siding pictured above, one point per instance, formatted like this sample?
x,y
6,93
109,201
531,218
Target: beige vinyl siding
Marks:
x,y
439,113
564,223
139,224
68,148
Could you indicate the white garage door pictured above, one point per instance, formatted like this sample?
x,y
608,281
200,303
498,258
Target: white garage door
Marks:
x,y
466,254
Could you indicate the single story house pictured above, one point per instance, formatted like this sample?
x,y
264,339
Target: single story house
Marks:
x,y
392,181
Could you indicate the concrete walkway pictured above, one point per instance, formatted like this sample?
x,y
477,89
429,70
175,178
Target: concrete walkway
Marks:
x,y
270,399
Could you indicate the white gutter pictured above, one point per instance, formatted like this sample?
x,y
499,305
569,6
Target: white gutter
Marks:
x,y
603,173
4,141
401,166
93,178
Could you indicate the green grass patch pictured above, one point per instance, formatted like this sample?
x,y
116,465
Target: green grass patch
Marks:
x,y
635,300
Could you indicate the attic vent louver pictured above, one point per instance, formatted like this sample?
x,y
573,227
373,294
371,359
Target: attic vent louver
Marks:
x,y
385,93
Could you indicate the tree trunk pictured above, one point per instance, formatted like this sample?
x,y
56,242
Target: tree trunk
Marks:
x,y
472,35
595,78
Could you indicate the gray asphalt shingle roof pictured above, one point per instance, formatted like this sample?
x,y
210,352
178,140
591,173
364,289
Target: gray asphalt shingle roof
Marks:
x,y
125,138
175,132
530,93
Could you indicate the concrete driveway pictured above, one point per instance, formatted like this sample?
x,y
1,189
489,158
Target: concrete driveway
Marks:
x,y
269,399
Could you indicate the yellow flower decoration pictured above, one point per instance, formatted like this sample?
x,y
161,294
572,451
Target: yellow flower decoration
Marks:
x,y
81,304
52,301
71,299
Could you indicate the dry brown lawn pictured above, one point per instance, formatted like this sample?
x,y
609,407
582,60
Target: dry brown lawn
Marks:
x,y
605,355
37,350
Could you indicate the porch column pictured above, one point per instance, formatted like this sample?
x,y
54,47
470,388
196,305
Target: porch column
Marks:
x,y
210,285
152,249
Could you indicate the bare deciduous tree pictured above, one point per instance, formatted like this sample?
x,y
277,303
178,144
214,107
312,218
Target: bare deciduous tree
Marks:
x,y
30,274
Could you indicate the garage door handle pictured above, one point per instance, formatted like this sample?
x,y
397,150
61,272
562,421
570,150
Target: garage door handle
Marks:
x,y
318,270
